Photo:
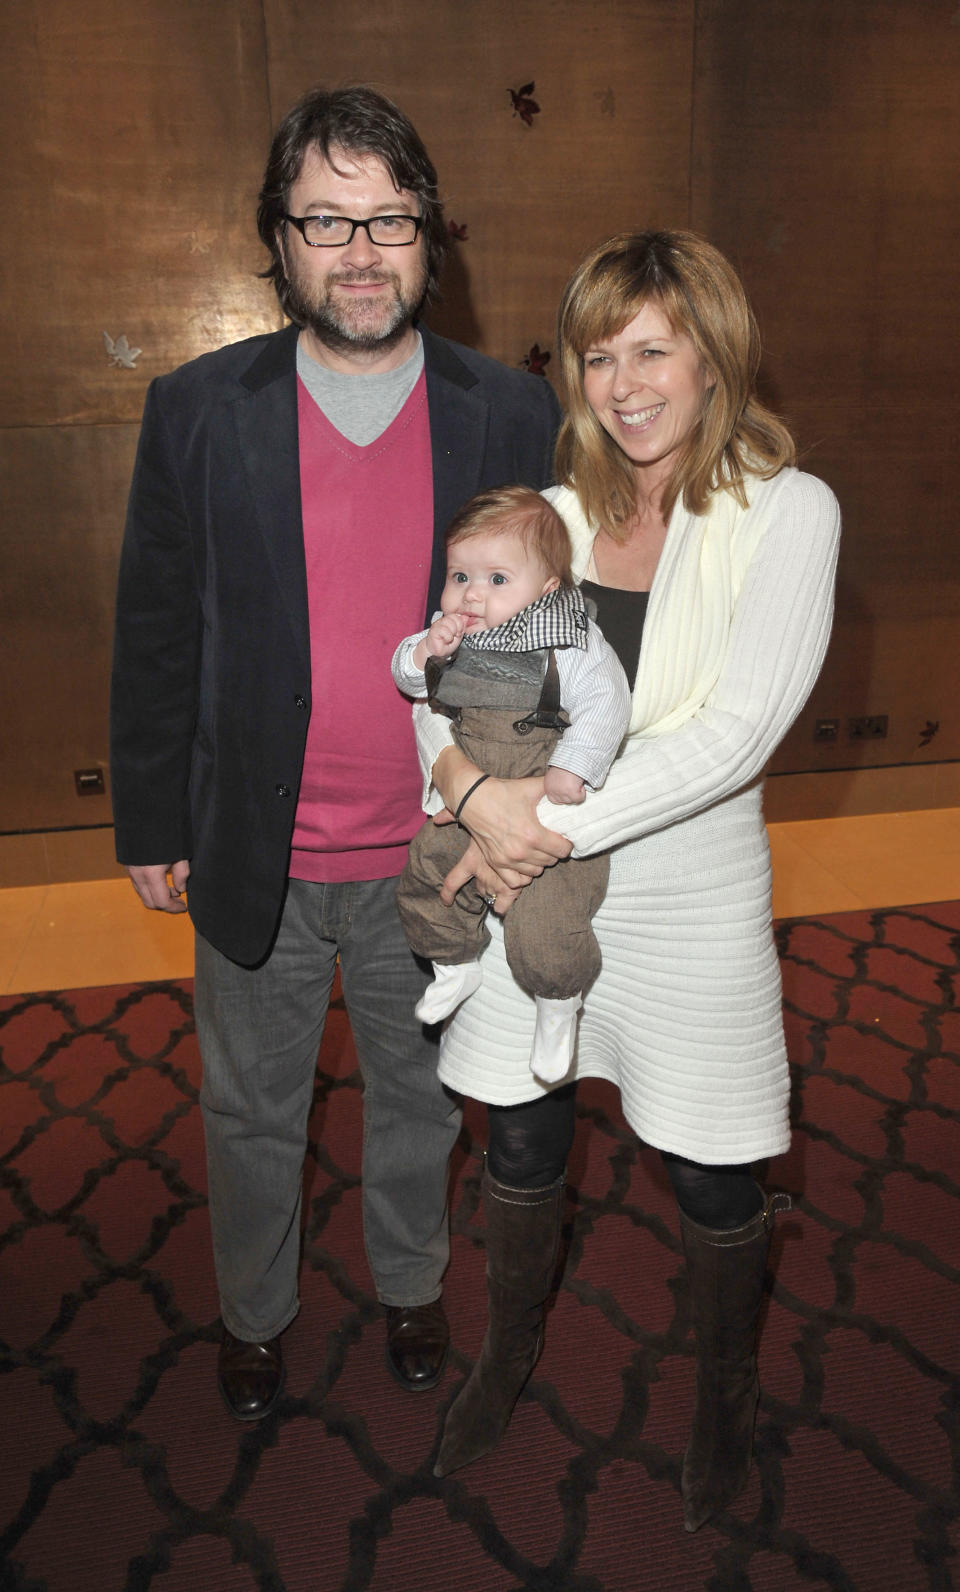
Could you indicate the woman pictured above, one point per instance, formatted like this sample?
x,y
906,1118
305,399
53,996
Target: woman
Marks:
x,y
690,526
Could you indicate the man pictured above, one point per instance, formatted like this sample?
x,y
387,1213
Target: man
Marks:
x,y
285,530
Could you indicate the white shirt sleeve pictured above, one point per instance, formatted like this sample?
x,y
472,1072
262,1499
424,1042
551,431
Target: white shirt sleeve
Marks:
x,y
595,693
407,678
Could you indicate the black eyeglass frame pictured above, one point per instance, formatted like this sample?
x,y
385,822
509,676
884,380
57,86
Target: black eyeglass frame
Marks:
x,y
300,222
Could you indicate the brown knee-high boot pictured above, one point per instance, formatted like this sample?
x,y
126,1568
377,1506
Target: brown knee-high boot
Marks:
x,y
523,1238
726,1272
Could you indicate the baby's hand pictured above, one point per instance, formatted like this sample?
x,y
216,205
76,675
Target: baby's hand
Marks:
x,y
441,639
562,787
444,634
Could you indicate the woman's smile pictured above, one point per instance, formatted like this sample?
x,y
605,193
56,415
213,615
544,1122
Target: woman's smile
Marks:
x,y
641,418
647,387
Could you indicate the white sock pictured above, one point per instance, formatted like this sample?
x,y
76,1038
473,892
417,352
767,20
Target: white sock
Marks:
x,y
554,1037
452,983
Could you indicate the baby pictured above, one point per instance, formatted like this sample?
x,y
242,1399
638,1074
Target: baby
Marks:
x,y
531,688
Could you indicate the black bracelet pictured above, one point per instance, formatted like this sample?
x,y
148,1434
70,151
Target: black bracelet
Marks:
x,y
464,799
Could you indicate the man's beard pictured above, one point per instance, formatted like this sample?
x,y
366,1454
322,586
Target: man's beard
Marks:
x,y
365,326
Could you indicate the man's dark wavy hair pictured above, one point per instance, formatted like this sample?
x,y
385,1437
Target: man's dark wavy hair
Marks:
x,y
360,122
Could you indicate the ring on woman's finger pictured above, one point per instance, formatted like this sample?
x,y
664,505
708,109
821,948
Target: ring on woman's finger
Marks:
x,y
490,900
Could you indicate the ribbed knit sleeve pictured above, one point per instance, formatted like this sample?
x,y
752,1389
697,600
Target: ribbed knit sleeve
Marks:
x,y
777,639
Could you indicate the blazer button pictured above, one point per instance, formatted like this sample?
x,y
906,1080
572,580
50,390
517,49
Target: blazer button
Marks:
x,y
282,790
300,701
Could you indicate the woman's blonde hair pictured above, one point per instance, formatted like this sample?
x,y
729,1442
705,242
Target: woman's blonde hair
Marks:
x,y
702,296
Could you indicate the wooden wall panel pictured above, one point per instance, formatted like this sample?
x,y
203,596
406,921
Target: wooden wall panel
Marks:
x,y
608,149
824,163
816,144
63,489
135,138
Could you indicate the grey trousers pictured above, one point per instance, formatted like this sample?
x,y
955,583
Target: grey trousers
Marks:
x,y
259,1032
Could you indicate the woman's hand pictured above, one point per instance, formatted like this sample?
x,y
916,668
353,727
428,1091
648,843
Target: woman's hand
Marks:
x,y
500,815
486,881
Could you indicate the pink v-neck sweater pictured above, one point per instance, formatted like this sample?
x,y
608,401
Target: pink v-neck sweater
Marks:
x,y
368,532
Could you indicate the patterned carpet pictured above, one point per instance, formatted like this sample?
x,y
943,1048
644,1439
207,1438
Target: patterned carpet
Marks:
x,y
119,1468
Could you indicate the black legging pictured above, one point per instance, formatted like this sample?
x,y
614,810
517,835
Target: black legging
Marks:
x,y
529,1144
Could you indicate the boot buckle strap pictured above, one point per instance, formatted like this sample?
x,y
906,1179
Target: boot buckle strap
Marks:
x,y
776,1202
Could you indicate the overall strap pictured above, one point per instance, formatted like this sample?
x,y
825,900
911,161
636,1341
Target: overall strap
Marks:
x,y
433,670
548,714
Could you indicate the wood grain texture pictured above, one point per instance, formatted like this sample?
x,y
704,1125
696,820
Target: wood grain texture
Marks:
x,y
137,136
816,144
824,163
607,151
63,489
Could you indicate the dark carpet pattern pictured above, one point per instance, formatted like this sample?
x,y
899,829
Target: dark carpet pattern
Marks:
x,y
119,1468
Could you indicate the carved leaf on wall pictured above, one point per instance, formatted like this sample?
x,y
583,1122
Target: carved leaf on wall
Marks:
x,y
536,360
201,240
120,353
458,230
523,106
929,731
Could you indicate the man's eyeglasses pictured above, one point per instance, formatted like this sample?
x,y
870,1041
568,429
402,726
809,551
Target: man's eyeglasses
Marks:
x,y
334,232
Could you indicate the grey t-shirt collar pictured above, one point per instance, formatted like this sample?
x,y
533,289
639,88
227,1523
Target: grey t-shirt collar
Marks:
x,y
360,406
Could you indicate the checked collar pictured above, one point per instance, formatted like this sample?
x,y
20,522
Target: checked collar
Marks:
x,y
558,619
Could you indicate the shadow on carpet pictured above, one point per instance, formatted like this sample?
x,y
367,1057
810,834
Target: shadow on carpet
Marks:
x,y
120,1469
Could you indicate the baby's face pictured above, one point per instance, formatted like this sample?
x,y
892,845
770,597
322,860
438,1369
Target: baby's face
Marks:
x,y
490,578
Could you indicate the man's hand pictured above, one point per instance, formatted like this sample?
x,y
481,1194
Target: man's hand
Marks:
x,y
150,883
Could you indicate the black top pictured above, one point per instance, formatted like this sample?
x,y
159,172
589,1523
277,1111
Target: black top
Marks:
x,y
620,615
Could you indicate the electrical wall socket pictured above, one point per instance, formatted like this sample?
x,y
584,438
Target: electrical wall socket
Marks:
x,y
88,781
871,728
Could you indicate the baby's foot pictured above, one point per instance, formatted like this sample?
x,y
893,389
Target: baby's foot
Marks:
x,y
554,1038
452,983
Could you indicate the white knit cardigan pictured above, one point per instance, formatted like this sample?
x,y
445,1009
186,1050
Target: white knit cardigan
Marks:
x,y
685,1016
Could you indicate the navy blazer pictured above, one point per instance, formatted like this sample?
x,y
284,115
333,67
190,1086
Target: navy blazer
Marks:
x,y
211,679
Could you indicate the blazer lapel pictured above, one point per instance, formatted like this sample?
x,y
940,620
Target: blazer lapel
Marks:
x,y
267,430
459,422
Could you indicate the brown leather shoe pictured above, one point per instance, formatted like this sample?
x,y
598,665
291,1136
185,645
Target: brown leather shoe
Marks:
x,y
249,1376
418,1337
